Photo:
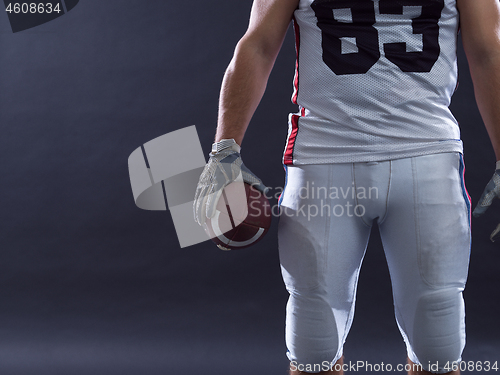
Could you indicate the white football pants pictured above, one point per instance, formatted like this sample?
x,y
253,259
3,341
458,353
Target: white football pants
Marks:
x,y
423,213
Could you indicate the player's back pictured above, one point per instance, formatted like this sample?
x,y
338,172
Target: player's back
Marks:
x,y
374,80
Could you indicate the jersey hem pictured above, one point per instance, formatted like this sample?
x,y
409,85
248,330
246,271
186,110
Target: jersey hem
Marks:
x,y
381,155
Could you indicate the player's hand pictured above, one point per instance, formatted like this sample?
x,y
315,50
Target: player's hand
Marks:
x,y
224,166
491,192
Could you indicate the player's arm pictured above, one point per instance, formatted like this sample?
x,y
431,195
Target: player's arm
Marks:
x,y
480,29
246,77
244,84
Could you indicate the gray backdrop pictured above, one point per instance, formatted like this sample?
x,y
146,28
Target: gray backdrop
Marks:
x,y
90,284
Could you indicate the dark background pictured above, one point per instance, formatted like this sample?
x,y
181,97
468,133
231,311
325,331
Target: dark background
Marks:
x,y
90,284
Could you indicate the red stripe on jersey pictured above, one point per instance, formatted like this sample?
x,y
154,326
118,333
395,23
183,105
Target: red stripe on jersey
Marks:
x,y
288,156
297,47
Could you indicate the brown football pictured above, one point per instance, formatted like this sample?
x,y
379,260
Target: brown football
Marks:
x,y
230,228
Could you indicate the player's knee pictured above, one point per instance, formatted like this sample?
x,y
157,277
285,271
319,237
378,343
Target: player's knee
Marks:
x,y
439,329
311,332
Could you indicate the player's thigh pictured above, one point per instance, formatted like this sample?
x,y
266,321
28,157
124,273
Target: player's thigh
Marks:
x,y
443,220
321,239
426,233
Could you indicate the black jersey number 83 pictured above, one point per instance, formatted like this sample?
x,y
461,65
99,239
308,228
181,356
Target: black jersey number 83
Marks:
x,y
361,28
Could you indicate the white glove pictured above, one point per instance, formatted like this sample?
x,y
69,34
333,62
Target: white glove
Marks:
x,y
491,192
224,166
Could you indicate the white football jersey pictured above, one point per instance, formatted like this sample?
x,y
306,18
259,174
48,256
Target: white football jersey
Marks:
x,y
374,80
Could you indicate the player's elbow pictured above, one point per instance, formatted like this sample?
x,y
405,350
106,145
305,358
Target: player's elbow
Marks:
x,y
483,57
483,49
484,67
257,50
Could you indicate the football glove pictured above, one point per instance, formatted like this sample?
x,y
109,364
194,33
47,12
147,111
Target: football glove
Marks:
x,y
491,192
224,166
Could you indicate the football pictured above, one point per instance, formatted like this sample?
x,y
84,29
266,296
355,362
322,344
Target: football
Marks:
x,y
239,222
